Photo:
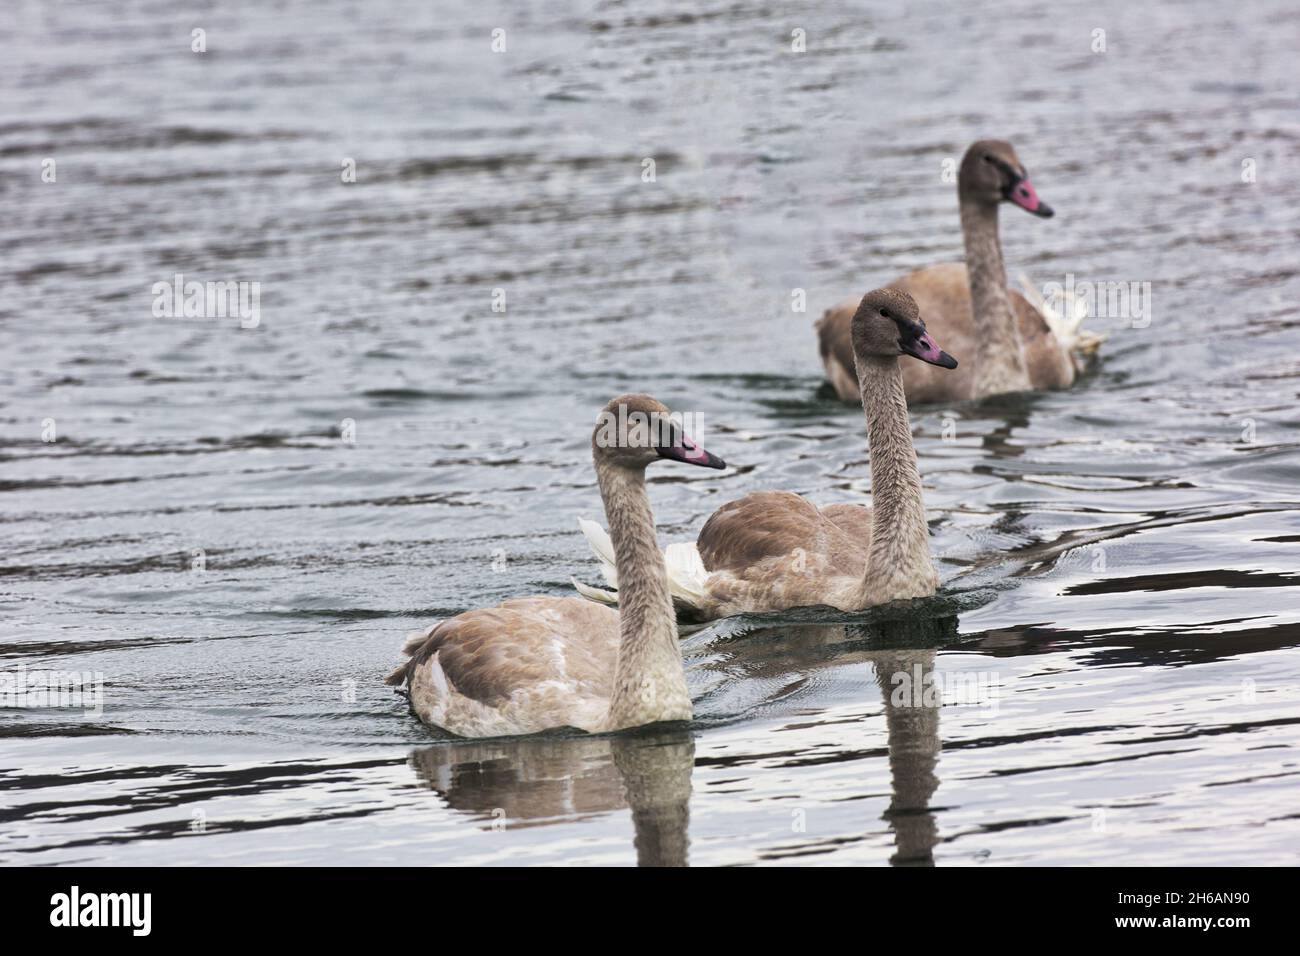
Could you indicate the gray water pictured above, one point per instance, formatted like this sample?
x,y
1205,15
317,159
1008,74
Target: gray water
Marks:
x,y
1120,562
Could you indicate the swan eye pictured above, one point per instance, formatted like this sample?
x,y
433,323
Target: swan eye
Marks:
x,y
884,313
988,158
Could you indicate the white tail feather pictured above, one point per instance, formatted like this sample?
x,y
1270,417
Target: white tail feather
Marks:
x,y
416,639
599,595
603,548
1064,315
686,573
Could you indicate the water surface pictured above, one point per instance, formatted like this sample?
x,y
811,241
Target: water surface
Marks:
x,y
1120,562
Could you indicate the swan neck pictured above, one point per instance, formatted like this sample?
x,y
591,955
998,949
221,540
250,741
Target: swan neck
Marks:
x,y
1001,359
898,563
649,680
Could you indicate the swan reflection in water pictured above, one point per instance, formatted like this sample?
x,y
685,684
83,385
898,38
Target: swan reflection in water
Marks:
x,y
535,781
913,729
528,781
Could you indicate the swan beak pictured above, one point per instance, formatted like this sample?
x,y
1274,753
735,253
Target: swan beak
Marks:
x,y
1023,195
924,348
684,450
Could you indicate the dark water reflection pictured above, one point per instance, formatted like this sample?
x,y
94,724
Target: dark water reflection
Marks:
x,y
1115,641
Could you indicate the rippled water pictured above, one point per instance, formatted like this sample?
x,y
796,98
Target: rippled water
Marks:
x,y
1120,562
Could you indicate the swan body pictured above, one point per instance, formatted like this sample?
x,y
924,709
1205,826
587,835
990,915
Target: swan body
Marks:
x,y
524,666
1053,352
772,550
1019,343
541,663
768,551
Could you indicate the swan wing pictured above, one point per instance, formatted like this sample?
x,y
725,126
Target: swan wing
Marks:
x,y
687,579
602,548
1064,315
599,595
686,574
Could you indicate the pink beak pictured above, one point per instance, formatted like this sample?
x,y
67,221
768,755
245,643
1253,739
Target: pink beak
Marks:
x,y
687,451
927,350
1024,196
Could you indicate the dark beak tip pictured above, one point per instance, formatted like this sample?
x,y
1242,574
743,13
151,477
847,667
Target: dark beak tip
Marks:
x,y
1046,211
695,456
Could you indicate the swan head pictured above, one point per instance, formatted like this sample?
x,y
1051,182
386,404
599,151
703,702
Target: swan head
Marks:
x,y
991,173
632,431
889,324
